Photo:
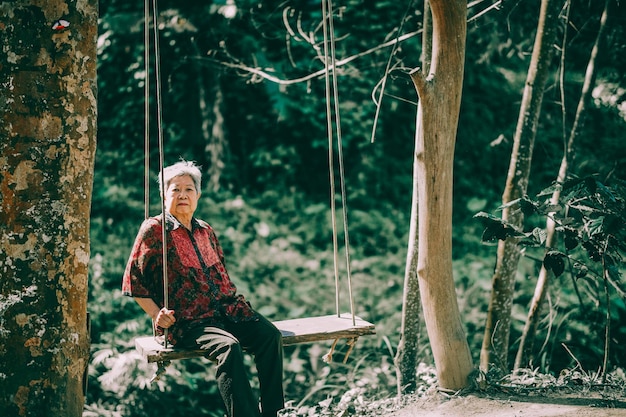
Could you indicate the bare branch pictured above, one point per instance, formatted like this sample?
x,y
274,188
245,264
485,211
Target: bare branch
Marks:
x,y
261,74
480,14
265,75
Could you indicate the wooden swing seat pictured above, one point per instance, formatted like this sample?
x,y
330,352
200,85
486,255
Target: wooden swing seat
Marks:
x,y
294,331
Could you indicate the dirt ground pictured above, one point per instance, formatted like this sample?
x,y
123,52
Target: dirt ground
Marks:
x,y
515,406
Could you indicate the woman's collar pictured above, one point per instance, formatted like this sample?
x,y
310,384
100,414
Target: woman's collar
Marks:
x,y
173,223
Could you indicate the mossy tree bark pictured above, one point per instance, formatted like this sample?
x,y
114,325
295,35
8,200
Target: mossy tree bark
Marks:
x,y
47,150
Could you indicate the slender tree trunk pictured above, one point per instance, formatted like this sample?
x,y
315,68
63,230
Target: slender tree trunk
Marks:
x,y
406,359
212,125
216,140
438,114
47,148
530,328
496,340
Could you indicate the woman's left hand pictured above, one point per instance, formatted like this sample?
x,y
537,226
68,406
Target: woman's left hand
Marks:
x,y
165,318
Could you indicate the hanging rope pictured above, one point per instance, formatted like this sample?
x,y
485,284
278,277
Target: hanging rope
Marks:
x,y
331,168
146,133
329,45
159,106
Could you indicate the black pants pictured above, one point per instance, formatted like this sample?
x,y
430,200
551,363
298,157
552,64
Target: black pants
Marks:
x,y
225,345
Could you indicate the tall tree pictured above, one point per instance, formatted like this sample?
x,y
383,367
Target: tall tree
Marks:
x,y
439,92
47,149
497,329
524,350
406,359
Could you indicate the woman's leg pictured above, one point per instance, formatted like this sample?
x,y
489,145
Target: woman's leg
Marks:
x,y
264,341
232,379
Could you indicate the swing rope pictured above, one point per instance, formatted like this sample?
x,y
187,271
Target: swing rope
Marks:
x,y
330,60
146,102
331,168
146,132
159,108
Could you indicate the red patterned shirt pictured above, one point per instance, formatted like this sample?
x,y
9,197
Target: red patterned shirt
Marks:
x,y
200,290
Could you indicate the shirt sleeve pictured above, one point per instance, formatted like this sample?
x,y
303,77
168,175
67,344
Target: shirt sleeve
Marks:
x,y
144,264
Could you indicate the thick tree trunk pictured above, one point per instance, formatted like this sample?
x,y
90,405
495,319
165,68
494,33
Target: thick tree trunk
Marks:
x,y
438,114
496,340
47,148
524,352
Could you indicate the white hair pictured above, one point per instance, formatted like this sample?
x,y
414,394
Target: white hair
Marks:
x,y
179,169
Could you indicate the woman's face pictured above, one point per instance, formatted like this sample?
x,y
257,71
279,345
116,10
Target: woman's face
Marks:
x,y
181,197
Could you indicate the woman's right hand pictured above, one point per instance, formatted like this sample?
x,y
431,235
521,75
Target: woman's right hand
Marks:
x,y
165,318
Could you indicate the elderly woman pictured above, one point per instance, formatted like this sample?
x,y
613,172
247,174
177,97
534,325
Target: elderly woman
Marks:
x,y
205,310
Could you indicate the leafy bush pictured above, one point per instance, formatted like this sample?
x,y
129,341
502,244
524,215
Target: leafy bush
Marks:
x,y
591,217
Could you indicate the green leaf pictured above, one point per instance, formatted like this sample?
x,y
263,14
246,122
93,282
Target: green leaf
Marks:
x,y
592,251
496,228
550,190
492,232
591,184
540,235
595,226
554,261
571,241
527,206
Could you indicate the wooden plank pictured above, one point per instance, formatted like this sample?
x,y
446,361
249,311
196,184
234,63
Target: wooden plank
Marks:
x,y
314,329
303,330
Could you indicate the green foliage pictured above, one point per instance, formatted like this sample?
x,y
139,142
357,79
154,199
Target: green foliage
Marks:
x,y
591,217
496,228
589,214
